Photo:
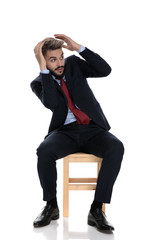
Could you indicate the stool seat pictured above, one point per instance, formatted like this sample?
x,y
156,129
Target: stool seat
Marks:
x,y
78,183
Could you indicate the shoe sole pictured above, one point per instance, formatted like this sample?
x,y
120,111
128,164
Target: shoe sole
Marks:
x,y
45,224
93,224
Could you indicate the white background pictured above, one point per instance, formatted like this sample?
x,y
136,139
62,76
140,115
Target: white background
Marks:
x,y
126,34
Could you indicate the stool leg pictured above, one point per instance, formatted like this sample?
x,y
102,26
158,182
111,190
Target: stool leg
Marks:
x,y
65,187
103,207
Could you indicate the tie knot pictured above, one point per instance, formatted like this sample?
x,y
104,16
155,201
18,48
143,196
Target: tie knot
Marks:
x,y
61,80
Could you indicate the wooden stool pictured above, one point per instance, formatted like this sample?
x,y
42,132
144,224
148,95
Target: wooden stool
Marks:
x,y
78,183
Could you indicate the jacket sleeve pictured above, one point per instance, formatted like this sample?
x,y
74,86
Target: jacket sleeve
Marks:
x,y
45,89
93,65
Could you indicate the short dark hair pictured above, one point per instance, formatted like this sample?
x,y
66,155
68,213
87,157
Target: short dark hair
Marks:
x,y
51,44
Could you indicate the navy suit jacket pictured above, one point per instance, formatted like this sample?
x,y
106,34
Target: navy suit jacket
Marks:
x,y
76,72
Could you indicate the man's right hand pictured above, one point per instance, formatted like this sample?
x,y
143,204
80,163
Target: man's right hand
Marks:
x,y
39,56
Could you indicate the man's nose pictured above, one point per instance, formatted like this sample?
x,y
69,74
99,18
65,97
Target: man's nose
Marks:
x,y
59,62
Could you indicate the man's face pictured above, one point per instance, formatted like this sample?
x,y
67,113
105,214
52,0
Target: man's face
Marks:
x,y
55,62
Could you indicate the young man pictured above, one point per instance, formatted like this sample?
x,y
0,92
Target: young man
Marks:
x,y
77,125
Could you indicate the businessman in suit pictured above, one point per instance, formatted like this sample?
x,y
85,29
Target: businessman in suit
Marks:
x,y
78,123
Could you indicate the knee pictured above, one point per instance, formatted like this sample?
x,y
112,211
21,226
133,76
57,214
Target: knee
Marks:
x,y
40,150
120,147
44,150
117,147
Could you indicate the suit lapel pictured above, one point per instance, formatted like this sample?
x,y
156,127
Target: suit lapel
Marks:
x,y
67,75
60,90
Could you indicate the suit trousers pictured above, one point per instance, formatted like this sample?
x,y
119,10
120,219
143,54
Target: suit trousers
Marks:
x,y
70,139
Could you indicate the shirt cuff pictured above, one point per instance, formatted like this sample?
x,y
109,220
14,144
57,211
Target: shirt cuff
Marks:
x,y
45,71
81,49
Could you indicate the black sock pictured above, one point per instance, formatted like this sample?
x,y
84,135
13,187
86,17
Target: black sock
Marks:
x,y
53,202
95,205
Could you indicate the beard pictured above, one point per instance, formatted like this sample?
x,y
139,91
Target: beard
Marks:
x,y
58,76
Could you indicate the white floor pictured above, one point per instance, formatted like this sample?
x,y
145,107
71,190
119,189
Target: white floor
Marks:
x,y
17,224
133,212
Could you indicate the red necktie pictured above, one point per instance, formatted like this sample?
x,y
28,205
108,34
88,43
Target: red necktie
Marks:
x,y
80,116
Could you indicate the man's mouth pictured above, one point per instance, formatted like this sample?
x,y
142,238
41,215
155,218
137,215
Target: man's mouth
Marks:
x,y
59,69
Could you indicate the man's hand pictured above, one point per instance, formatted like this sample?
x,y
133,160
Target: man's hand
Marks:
x,y
71,45
39,56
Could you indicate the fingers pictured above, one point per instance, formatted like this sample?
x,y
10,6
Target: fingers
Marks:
x,y
38,47
67,40
61,36
65,46
39,56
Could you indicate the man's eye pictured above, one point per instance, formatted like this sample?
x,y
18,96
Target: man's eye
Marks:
x,y
53,60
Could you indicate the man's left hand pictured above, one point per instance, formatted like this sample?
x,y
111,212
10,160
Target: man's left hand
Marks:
x,y
70,44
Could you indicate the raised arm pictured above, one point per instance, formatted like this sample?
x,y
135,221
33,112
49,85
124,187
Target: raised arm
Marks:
x,y
94,65
44,86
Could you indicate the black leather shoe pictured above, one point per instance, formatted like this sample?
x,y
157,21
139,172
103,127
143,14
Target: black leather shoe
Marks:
x,y
44,218
97,218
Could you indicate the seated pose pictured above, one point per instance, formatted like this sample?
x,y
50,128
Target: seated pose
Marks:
x,y
78,123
